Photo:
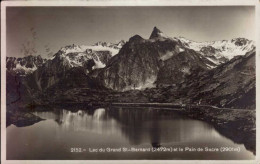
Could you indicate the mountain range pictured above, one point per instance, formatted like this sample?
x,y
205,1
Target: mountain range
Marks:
x,y
163,68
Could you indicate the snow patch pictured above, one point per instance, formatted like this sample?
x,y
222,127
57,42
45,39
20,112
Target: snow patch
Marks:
x,y
162,35
213,61
181,50
167,55
210,66
149,83
98,64
19,67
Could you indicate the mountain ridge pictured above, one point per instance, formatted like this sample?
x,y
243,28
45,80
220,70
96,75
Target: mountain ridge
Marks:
x,y
139,64
210,49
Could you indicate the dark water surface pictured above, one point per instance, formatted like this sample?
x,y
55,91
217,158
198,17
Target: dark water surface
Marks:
x,y
63,131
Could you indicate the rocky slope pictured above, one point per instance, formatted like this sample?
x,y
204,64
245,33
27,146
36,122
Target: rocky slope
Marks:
x,y
73,56
175,70
232,84
144,63
74,87
30,76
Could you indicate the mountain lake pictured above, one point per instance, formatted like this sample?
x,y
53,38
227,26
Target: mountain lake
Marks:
x,y
120,133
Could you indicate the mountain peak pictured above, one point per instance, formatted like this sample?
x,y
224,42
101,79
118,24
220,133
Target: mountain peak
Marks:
x,y
156,33
156,29
136,38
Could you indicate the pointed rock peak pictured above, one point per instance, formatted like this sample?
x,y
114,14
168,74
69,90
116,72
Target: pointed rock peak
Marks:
x,y
156,29
136,38
156,33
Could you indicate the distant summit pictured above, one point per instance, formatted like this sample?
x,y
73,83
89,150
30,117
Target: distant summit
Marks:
x,y
136,38
157,33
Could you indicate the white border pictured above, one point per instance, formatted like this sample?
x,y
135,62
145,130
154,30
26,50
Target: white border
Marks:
x,y
134,3
3,82
257,27
121,3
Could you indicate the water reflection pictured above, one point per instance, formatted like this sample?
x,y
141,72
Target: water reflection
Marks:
x,y
158,126
96,121
139,126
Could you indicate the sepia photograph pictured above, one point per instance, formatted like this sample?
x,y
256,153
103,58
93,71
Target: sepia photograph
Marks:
x,y
130,82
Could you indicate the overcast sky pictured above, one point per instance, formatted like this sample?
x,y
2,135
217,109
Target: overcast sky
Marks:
x,y
56,27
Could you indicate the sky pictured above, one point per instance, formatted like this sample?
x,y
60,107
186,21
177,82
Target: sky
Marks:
x,y
47,29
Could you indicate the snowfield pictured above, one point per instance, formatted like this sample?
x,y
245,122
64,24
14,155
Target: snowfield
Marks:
x,y
223,48
77,55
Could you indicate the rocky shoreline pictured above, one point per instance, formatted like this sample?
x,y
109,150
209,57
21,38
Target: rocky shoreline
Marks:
x,y
238,125
21,119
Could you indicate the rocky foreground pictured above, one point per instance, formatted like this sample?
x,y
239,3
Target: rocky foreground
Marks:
x,y
21,118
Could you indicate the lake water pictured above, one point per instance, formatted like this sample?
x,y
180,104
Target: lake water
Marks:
x,y
64,132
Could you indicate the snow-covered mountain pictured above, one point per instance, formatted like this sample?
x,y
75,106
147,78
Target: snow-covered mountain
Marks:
x,y
25,65
220,51
71,58
73,55
217,52
117,46
100,52
99,46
